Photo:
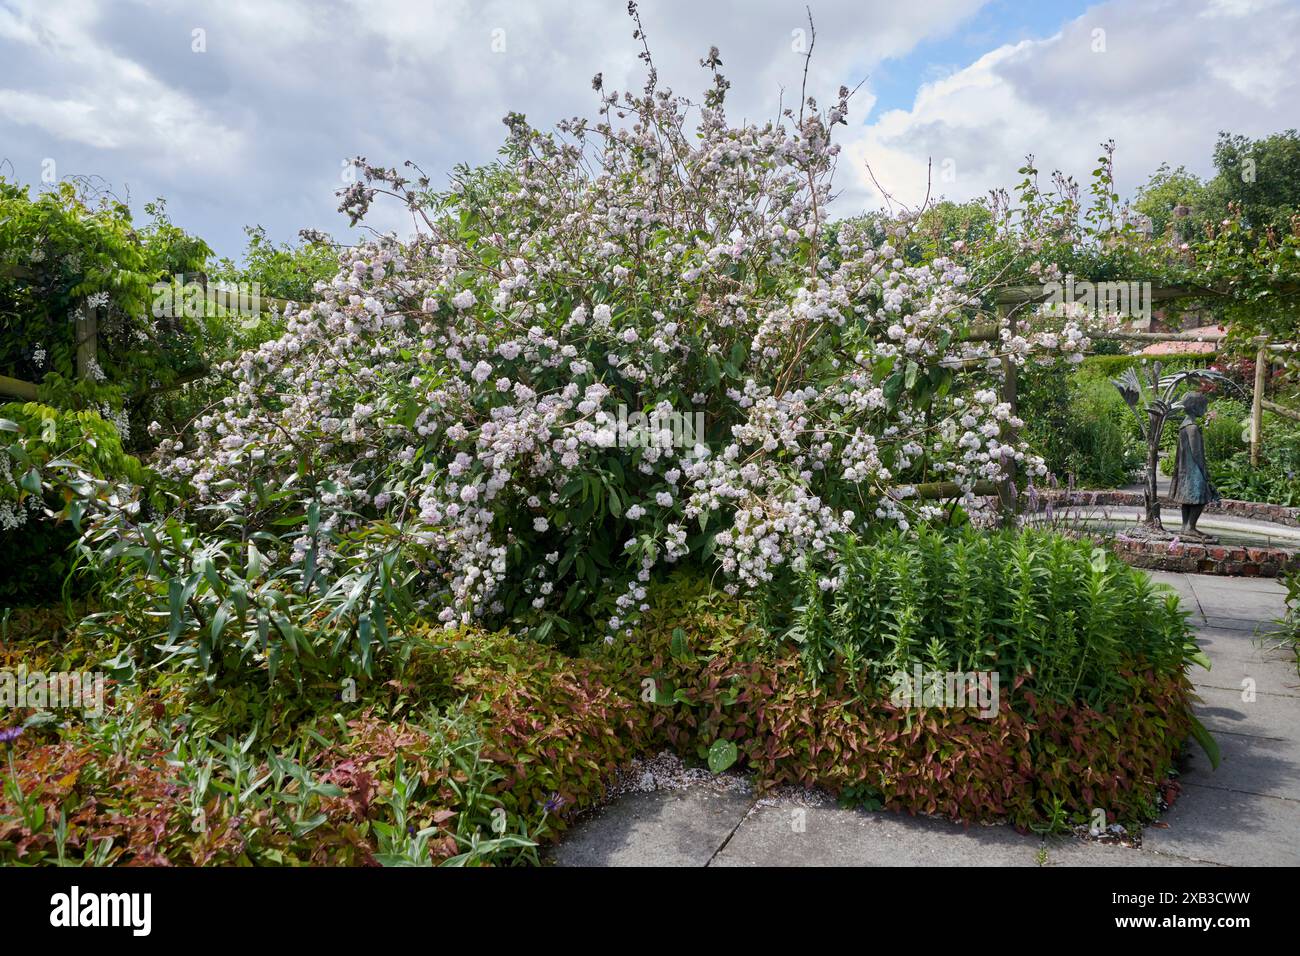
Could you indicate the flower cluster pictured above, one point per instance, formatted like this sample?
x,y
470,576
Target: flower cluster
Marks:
x,y
464,386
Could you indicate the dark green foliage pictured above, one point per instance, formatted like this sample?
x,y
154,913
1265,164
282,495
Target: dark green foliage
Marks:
x,y
1290,624
1069,616
1039,762
282,271
1275,480
57,250
1083,431
39,446
36,579
473,748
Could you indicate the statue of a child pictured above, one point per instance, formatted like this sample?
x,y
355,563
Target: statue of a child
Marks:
x,y
1190,486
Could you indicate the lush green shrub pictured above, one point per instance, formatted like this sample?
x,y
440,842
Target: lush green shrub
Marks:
x,y
64,250
471,753
281,270
46,457
1070,616
1083,430
398,792
1276,479
1290,623
477,747
1039,762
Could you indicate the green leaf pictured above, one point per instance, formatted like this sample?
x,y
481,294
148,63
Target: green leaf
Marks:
x,y
175,596
1207,742
679,646
32,481
219,621
722,755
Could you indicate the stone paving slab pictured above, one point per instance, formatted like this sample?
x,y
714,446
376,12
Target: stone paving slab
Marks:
x,y
1231,666
1259,765
1257,606
660,828
1240,603
1250,625
786,834
1070,852
1225,645
1226,826
1268,715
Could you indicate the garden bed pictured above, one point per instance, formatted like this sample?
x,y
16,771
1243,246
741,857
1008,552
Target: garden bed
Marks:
x,y
473,747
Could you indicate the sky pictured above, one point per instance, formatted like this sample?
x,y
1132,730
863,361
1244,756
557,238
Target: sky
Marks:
x,y
242,112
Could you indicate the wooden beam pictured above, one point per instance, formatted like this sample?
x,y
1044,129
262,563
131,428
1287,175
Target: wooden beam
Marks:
x,y
1028,294
942,490
17,388
1282,410
1189,335
87,340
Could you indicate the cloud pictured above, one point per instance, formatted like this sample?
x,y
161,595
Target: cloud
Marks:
x,y
254,128
1161,78
98,99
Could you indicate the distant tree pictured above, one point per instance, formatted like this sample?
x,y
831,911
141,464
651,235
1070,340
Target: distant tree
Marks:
x,y
283,270
947,222
1261,176
1165,191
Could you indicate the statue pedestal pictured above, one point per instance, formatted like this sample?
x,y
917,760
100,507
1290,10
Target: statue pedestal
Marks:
x,y
1151,531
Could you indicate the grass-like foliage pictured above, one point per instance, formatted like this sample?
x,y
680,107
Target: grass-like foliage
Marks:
x,y
1070,618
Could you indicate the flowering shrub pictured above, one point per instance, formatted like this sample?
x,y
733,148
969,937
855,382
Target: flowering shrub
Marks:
x,y
463,389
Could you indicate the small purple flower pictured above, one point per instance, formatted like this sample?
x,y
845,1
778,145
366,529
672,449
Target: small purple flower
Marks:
x,y
9,735
554,803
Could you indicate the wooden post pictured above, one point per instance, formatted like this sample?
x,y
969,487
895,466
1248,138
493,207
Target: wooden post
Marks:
x,y
1257,404
87,340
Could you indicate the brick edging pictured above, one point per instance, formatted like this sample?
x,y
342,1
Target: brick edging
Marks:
x,y
1261,511
1179,556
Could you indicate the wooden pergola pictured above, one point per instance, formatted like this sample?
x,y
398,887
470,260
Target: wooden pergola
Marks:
x,y
1012,299
87,338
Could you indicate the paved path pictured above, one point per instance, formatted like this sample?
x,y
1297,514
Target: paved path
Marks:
x,y
1245,813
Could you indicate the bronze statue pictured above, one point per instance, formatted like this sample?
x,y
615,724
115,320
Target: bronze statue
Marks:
x,y
1190,486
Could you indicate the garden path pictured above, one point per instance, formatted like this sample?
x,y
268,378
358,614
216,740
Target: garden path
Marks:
x,y
1245,813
